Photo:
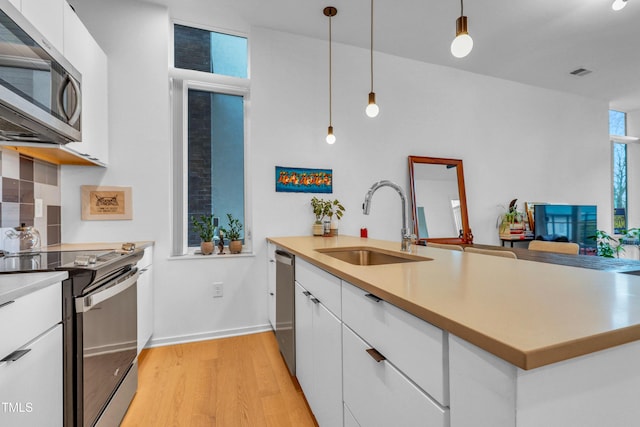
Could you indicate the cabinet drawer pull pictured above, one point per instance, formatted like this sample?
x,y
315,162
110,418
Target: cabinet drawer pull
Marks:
x,y
373,297
6,303
376,355
306,293
15,355
271,293
315,300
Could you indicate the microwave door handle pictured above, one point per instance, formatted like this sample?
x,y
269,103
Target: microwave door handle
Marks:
x,y
87,303
78,105
72,118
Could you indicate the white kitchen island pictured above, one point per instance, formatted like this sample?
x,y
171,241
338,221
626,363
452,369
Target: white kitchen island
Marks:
x,y
522,343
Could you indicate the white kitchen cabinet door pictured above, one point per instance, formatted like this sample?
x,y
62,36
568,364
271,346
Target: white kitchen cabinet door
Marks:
x,y
17,4
377,394
327,353
145,299
271,284
319,358
31,386
47,17
304,341
85,54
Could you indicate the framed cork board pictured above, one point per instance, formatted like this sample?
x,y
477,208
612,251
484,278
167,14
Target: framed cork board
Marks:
x,y
106,203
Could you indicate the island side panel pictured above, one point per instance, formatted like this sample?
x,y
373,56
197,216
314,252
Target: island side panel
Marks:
x,y
482,387
595,390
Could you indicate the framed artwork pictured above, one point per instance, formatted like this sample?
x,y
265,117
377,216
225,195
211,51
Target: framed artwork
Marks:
x,y
106,203
299,180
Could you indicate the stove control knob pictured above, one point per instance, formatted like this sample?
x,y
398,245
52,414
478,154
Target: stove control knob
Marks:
x,y
93,259
82,260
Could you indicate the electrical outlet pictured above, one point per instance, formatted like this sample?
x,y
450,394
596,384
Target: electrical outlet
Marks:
x,y
217,289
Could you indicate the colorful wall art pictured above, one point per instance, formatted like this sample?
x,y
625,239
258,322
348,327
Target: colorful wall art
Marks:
x,y
300,180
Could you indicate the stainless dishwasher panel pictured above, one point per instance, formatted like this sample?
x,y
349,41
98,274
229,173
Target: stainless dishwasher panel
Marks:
x,y
285,308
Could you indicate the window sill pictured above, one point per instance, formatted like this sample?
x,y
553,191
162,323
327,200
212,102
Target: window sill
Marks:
x,y
198,255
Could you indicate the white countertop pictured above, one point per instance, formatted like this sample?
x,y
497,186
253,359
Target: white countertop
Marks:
x,y
16,285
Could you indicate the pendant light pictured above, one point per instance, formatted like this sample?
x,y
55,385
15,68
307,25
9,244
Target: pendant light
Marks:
x,y
463,43
372,109
618,4
330,12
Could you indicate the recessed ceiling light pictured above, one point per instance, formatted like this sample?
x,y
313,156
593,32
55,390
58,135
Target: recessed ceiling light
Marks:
x,y
579,72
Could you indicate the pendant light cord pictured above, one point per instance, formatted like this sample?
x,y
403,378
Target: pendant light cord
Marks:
x,y
371,45
330,67
461,7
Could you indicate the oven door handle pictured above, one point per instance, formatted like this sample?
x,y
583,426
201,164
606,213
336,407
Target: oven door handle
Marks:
x,y
87,303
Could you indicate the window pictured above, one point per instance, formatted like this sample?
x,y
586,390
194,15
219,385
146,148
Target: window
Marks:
x,y
618,127
210,93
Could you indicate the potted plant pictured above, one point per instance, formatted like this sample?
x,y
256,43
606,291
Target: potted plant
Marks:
x,y
205,228
335,208
232,233
511,220
607,246
320,210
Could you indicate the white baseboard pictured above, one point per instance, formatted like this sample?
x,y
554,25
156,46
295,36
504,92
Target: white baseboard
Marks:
x,y
204,336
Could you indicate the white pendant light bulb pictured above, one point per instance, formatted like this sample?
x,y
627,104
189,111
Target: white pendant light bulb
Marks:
x,y
618,4
331,138
462,45
372,109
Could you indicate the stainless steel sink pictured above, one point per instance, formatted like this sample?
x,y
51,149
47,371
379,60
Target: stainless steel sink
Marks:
x,y
370,256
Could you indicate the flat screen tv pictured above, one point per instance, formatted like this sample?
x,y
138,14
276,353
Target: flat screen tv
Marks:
x,y
567,223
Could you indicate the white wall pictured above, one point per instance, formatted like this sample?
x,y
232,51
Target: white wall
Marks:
x,y
515,140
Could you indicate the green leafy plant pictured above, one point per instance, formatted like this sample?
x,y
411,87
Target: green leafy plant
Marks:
x,y
326,208
233,231
512,215
607,246
204,227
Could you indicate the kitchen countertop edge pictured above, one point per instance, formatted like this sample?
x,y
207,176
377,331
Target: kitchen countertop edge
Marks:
x,y
16,285
526,359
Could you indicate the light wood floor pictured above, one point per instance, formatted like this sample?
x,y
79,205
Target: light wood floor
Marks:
x,y
228,382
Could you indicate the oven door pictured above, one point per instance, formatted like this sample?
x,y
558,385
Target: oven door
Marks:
x,y
108,316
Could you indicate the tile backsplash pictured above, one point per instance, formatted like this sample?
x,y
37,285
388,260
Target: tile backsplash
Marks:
x,y
30,195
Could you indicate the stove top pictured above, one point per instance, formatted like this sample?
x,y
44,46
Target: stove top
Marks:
x,y
85,266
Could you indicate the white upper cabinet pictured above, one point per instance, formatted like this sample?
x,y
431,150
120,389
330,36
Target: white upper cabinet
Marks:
x,y
47,17
84,54
17,3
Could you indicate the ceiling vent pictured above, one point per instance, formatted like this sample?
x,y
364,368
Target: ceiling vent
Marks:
x,y
580,72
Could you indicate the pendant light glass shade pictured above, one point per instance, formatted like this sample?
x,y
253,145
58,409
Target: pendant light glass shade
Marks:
x,y
462,45
372,109
618,4
330,11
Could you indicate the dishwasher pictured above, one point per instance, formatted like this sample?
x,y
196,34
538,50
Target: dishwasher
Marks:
x,y
285,307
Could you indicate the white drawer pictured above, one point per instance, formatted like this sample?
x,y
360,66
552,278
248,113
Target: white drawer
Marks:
x,y
31,387
147,258
324,286
29,316
414,346
377,394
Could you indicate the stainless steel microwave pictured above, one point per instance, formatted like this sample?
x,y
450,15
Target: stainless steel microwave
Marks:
x,y
40,91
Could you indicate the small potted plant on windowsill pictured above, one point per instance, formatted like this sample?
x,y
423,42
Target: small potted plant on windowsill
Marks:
x,y
232,233
205,228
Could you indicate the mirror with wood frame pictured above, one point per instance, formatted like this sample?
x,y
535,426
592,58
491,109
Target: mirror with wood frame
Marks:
x,y
439,203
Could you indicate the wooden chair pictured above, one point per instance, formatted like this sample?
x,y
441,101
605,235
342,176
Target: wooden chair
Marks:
x,y
444,246
494,252
556,247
